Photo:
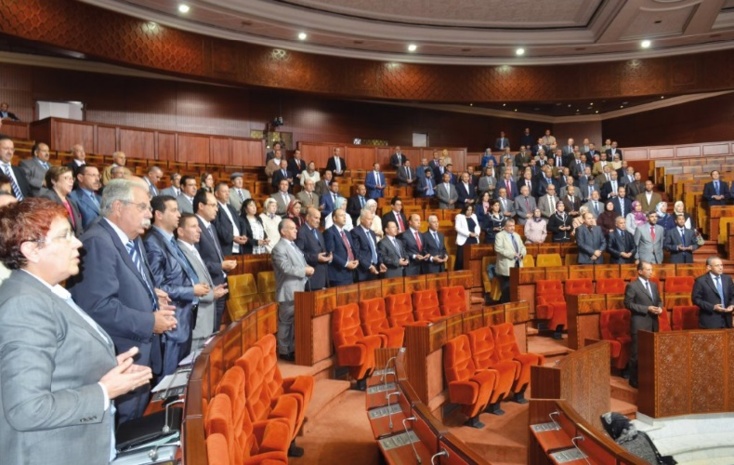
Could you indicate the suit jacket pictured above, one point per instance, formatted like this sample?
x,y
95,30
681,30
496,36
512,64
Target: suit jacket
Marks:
x,y
611,152
363,253
636,300
523,206
312,245
8,115
391,255
74,168
295,167
501,142
327,200
77,224
225,228
210,254
397,160
505,251
289,265
508,207
34,173
25,187
589,241
410,246
282,203
436,249
673,240
634,189
308,201
599,207
184,206
627,205
423,186
706,296
648,206
175,277
606,189
338,274
709,191
331,165
170,190
321,188
571,206
373,191
465,193
234,199
541,185
271,166
403,176
205,323
354,207
87,208
50,362
547,208
279,176
647,249
390,216
617,245
447,197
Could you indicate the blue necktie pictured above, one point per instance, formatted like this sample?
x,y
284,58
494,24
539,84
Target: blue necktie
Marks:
x,y
185,264
720,289
716,185
16,189
682,237
132,249
372,247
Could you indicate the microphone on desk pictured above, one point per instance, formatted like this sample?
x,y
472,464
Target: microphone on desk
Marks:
x,y
389,412
383,378
405,427
443,453
167,428
165,399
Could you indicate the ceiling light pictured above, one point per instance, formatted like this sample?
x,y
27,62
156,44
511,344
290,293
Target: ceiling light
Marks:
x,y
302,36
662,97
520,52
597,111
183,8
504,104
471,104
645,44
412,47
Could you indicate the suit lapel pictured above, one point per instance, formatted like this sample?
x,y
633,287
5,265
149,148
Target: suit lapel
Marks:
x,y
122,250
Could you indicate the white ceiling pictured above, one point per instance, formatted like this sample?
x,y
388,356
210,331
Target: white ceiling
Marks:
x,y
478,32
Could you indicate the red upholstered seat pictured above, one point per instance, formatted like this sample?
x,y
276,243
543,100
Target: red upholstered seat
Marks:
x,y
481,342
452,299
300,387
579,286
374,322
685,317
399,309
610,286
614,326
507,350
550,303
425,305
469,386
681,284
353,348
260,405
664,321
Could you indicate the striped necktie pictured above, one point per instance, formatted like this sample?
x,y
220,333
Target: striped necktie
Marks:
x,y
132,250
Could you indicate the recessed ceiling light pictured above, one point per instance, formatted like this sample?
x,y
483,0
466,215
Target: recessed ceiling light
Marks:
x,y
504,104
597,111
645,44
412,47
662,97
183,8
621,106
592,104
471,104
520,52
515,109
302,36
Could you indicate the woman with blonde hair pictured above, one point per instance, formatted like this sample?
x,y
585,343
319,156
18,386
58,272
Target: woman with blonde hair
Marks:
x,y
376,228
270,223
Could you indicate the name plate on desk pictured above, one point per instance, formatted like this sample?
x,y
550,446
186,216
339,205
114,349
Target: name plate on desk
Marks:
x,y
541,427
399,440
381,412
568,455
382,371
381,388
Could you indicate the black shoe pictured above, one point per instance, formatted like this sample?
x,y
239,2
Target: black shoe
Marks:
x,y
291,357
294,450
634,384
360,385
494,409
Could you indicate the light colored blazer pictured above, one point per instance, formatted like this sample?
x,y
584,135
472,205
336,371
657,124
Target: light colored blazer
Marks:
x,y
647,249
205,323
34,173
289,265
234,198
506,252
462,228
51,360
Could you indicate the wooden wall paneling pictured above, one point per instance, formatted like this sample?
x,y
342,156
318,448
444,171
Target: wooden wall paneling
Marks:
x,y
220,150
41,131
65,133
318,153
16,129
165,146
107,142
138,143
363,158
193,148
248,152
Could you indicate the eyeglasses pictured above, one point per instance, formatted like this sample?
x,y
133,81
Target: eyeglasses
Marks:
x,y
142,206
67,235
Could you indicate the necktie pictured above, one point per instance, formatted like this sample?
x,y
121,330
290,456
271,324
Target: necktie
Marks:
x,y
361,201
315,234
435,238
418,241
530,186
377,179
283,172
649,289
527,204
94,199
216,242
45,165
407,171
596,208
509,190
721,290
132,250
652,233
514,243
350,255
401,226
16,189
333,196
504,207
716,185
242,196
372,246
184,262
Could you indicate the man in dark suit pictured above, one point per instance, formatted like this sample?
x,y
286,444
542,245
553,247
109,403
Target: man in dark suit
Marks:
x,y
339,242
713,293
19,184
434,246
622,203
5,113
228,223
680,242
635,187
396,215
296,165
328,198
642,299
501,142
85,195
397,159
205,208
152,178
78,158
282,174
621,243
465,190
716,192
590,241
426,185
406,175
392,252
323,186
543,181
613,151
356,203
35,168
173,273
375,182
336,163
610,189
365,249
116,288
312,244
414,247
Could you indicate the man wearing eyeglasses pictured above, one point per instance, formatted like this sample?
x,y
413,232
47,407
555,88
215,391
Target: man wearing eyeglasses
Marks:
x,y
116,288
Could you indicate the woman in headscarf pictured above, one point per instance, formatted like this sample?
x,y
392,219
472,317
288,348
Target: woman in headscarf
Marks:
x,y
293,212
329,221
376,228
636,217
607,218
664,219
559,224
680,209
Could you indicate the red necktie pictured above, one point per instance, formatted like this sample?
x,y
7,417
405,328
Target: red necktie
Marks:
x,y
652,233
509,191
418,241
350,255
401,227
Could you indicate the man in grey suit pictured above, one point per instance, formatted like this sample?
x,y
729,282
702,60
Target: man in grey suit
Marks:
x,y
406,174
291,274
649,240
237,193
188,191
174,190
35,168
393,253
524,205
595,205
547,203
85,195
307,196
282,197
189,233
642,299
446,193
590,241
152,178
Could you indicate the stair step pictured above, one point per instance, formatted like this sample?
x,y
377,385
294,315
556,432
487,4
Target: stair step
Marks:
x,y
325,392
625,408
621,390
